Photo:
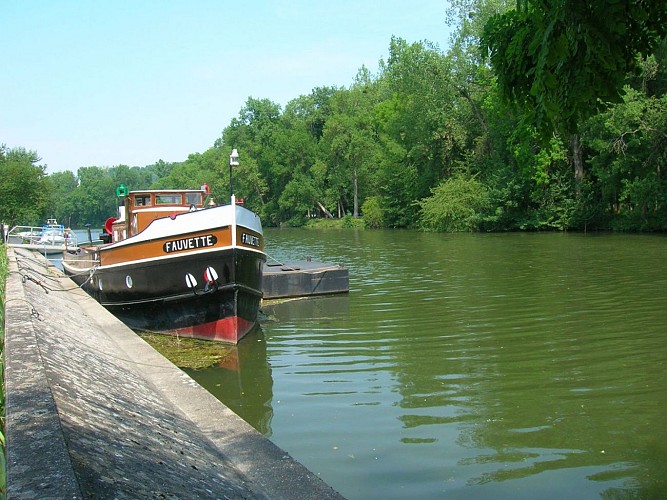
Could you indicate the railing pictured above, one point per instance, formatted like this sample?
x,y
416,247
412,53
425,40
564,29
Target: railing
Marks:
x,y
43,239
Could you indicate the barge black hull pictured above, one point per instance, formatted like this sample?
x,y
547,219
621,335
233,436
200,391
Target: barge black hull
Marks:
x,y
211,295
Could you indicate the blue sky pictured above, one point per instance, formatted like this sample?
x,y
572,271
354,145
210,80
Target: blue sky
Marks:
x,y
109,82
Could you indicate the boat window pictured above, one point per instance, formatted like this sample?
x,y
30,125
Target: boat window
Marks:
x,y
193,199
142,200
169,199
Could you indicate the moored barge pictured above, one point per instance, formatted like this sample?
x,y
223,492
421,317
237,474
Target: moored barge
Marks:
x,y
172,263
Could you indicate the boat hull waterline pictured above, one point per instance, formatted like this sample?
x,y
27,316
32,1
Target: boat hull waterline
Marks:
x,y
224,311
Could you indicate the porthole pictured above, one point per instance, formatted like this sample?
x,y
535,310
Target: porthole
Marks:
x,y
128,281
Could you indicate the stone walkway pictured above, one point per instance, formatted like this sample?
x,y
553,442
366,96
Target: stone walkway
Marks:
x,y
95,412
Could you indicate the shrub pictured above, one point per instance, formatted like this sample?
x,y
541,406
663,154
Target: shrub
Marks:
x,y
373,213
457,204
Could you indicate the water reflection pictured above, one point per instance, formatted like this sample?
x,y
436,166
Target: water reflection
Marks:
x,y
325,309
494,366
243,381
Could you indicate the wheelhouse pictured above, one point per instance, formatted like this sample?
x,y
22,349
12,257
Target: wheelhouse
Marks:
x,y
140,208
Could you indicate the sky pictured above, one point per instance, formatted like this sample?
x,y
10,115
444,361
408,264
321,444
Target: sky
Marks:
x,y
130,82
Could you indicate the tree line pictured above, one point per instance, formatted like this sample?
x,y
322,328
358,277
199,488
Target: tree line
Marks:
x,y
541,115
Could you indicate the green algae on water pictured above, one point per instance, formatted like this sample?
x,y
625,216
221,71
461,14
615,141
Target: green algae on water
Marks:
x,y
186,352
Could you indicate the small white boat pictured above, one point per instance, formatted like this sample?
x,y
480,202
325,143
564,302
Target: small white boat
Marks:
x,y
51,238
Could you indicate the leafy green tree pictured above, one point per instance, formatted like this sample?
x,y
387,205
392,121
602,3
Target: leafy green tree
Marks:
x,y
314,109
474,83
63,184
348,138
652,79
252,132
433,110
562,61
298,197
132,177
399,186
252,187
159,170
95,197
628,158
423,104
24,190
295,150
210,167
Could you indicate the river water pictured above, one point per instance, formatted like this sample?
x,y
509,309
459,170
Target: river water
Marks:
x,y
466,366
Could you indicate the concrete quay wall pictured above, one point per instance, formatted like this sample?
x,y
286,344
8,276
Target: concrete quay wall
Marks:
x,y
92,411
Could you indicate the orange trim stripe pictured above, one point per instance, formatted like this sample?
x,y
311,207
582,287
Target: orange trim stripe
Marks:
x,y
162,247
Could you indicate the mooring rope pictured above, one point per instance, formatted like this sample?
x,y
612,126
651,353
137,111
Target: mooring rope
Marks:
x,y
35,313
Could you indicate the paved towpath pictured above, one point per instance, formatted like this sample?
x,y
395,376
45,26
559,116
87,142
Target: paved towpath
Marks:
x,y
92,411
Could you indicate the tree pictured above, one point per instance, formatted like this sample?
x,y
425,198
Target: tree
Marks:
x,y
253,134
628,158
313,109
298,197
159,170
563,61
470,75
94,200
349,141
23,188
420,111
63,184
210,167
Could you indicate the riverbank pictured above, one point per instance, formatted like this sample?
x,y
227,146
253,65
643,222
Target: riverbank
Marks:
x,y
94,411
3,276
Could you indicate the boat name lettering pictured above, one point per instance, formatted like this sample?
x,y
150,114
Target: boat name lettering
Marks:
x,y
208,240
249,239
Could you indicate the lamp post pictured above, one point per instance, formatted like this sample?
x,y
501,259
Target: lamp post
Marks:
x,y
233,162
